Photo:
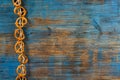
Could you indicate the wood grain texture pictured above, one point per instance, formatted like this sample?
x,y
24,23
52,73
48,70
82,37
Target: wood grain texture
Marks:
x,y
65,40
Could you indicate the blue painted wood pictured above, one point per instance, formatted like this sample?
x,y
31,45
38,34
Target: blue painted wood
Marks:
x,y
65,40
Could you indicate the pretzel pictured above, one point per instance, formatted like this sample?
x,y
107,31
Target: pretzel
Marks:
x,y
22,58
16,2
21,70
19,34
20,11
21,22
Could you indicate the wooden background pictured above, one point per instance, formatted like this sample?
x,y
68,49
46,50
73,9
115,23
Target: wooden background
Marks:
x,y
65,40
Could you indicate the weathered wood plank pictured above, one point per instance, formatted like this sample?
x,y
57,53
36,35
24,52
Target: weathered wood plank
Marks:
x,y
65,40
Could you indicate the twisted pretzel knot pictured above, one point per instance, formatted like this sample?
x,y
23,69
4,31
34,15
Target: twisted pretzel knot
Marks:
x,y
20,11
23,59
21,78
16,2
21,22
19,34
21,70
19,47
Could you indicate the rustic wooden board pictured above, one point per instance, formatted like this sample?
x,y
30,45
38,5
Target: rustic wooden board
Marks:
x,y
65,40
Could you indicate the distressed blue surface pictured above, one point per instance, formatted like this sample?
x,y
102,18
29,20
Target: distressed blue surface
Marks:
x,y
94,40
